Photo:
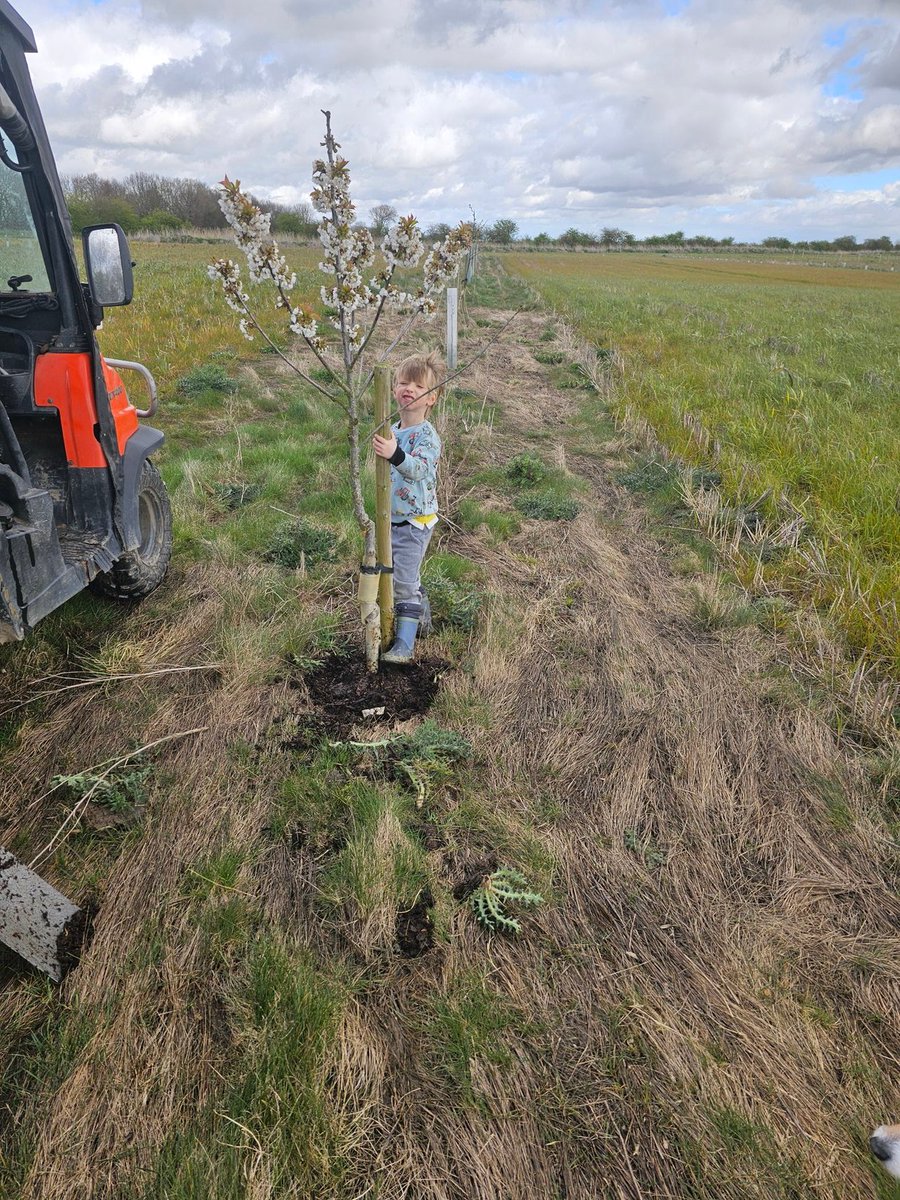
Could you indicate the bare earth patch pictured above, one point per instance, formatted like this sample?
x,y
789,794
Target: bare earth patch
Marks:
x,y
349,695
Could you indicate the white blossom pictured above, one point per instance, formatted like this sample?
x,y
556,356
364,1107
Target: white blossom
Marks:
x,y
348,253
402,244
304,323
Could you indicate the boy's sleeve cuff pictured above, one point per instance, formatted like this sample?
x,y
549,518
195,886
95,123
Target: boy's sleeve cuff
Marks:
x,y
397,457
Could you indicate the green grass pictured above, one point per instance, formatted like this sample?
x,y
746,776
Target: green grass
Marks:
x,y
178,324
37,1056
209,377
789,370
455,590
545,507
283,1013
379,865
500,524
468,1022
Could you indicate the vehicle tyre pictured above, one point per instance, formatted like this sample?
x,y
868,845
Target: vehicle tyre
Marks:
x,y
139,571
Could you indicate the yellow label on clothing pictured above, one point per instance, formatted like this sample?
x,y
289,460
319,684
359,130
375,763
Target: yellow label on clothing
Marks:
x,y
425,522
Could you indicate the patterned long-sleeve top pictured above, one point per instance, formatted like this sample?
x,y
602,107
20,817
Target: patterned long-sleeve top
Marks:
x,y
414,474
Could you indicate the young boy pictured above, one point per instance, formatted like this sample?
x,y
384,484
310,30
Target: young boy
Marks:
x,y
412,449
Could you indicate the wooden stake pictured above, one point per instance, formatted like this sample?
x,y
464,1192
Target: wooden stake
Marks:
x,y
383,506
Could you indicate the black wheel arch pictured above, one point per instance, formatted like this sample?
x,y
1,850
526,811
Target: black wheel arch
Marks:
x,y
142,443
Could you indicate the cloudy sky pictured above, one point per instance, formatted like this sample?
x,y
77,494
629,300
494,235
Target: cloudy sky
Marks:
x,y
724,117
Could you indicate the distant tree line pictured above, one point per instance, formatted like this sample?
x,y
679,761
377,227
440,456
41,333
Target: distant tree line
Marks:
x,y
156,203
842,243
503,233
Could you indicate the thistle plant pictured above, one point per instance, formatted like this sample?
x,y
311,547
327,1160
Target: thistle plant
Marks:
x,y
425,757
503,887
355,297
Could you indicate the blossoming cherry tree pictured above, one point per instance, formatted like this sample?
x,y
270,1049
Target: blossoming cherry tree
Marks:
x,y
355,298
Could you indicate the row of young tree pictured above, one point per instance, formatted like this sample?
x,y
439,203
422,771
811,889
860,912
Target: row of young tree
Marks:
x,y
503,233
144,201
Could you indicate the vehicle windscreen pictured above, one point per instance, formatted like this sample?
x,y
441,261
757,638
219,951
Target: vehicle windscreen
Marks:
x,y
22,267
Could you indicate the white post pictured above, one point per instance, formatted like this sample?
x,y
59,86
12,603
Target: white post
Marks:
x,y
451,328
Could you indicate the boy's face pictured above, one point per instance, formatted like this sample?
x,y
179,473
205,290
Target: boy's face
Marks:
x,y
414,400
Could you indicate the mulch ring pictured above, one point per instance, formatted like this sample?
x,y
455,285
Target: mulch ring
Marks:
x,y
342,690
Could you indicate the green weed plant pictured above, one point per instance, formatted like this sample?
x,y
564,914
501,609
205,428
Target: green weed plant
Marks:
x,y
429,756
547,507
119,790
455,599
207,377
526,470
302,543
497,892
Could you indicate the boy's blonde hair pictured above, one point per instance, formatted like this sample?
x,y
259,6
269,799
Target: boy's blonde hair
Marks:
x,y
423,369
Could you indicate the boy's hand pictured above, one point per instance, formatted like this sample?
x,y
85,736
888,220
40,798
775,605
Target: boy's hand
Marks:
x,y
385,447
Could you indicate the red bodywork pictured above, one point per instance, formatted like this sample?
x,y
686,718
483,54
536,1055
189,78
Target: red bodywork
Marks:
x,y
65,382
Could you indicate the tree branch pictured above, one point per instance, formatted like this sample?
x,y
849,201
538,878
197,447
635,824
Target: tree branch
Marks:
x,y
284,358
455,374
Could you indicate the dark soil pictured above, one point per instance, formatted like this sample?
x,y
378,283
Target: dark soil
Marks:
x,y
344,690
415,928
75,937
473,878
430,834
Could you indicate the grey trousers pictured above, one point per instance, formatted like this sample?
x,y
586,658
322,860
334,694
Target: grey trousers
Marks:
x,y
408,546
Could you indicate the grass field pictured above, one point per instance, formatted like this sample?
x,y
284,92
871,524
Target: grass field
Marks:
x,y
178,319
718,863
783,377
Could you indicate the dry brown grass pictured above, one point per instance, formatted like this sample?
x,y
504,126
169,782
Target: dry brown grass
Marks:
x,y
751,974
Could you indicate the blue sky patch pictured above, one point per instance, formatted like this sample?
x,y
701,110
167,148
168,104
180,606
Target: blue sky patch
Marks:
x,y
858,181
835,37
843,82
674,8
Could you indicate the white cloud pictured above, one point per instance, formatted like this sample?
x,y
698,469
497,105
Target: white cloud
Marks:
x,y
542,110
880,131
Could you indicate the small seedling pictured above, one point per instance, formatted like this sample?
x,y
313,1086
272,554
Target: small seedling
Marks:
x,y
505,886
547,508
652,855
526,470
119,792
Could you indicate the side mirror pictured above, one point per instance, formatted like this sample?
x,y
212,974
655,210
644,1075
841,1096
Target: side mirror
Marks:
x,y
108,262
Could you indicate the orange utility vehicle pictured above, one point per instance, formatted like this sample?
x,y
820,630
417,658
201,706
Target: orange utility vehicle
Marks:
x,y
81,504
